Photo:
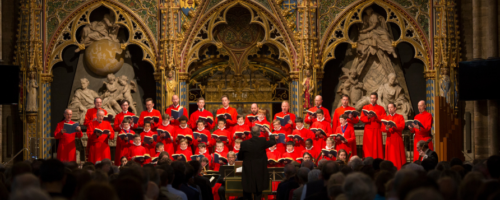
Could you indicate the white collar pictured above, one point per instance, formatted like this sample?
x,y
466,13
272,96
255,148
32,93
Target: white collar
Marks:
x,y
219,151
284,112
67,121
374,104
241,124
149,111
128,129
202,152
201,110
234,147
230,164
125,112
260,119
392,114
225,107
344,107
137,144
296,127
183,127
182,148
318,106
201,129
176,106
168,122
272,149
222,128
344,124
326,147
321,119
147,130
290,151
277,129
310,148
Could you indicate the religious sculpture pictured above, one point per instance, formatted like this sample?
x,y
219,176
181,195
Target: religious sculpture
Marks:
x,y
112,96
31,105
445,84
128,88
391,92
351,86
308,87
82,101
99,30
170,86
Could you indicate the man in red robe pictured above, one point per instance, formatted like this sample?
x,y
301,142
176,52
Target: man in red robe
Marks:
x,y
311,118
66,150
346,131
321,128
91,114
252,117
394,147
422,132
351,120
372,137
123,141
166,133
151,114
228,113
176,111
120,116
202,114
287,125
98,142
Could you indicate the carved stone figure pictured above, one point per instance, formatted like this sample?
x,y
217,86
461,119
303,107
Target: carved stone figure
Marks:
x,y
128,88
170,86
112,96
99,30
308,87
391,92
82,101
445,84
31,88
351,86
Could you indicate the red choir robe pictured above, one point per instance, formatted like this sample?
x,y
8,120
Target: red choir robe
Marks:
x,y
288,127
372,136
325,127
241,128
281,146
230,123
250,120
203,132
150,148
274,154
326,114
119,118
98,145
91,115
138,151
204,114
394,147
326,157
216,166
154,157
424,133
168,143
123,145
340,111
222,132
293,155
348,133
314,151
153,113
186,132
177,108
186,153
66,150
235,150
263,123
305,134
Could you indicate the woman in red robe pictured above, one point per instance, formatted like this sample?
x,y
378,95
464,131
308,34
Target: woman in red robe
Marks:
x,y
66,150
394,147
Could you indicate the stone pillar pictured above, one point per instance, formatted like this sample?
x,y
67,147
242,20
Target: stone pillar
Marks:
x,y
492,46
160,88
183,90
294,93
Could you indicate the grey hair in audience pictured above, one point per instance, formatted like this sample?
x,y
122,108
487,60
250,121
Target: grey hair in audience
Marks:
x,y
313,175
424,193
358,186
355,164
23,181
337,178
302,175
30,193
414,167
334,185
368,161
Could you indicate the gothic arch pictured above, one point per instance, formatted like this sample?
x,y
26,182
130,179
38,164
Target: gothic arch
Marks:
x,y
411,32
202,33
65,34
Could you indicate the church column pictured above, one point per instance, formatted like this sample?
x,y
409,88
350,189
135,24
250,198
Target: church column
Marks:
x,y
492,46
430,86
46,135
159,101
294,93
183,89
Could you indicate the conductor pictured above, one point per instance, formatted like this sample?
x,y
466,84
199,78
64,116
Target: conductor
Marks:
x,y
255,177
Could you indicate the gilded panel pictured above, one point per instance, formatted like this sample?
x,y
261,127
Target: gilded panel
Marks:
x,y
147,11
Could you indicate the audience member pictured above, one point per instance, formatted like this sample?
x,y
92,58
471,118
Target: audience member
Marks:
x,y
289,183
319,186
52,177
358,186
302,177
31,193
24,181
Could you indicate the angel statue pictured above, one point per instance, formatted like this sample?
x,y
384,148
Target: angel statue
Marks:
x,y
351,86
128,88
112,95
31,88
308,87
99,30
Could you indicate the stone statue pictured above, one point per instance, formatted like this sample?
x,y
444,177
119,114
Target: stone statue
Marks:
x,y
445,84
99,30
351,86
31,92
308,87
82,101
112,96
170,86
391,92
128,88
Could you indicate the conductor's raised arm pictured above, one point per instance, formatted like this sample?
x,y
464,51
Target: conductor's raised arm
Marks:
x,y
271,142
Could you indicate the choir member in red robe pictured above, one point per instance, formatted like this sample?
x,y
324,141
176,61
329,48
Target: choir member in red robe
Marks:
x,y
241,130
160,147
290,152
202,150
314,151
321,128
394,147
98,142
252,117
346,131
278,130
148,139
123,141
184,132
136,152
176,108
290,124
351,120
304,134
221,150
119,117
184,150
237,145
202,114
330,145
222,131
66,150
422,132
152,114
372,137
228,113
265,126
91,114
310,118
201,131
166,133
274,153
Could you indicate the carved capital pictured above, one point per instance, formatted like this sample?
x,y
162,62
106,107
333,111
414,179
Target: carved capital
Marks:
x,y
31,117
157,76
183,76
430,74
47,78
294,75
